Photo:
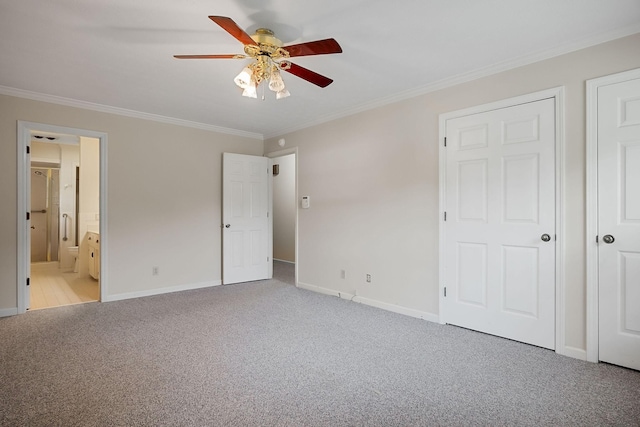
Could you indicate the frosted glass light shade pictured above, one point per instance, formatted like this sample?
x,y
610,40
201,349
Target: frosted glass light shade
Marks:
x,y
244,78
282,94
276,84
250,91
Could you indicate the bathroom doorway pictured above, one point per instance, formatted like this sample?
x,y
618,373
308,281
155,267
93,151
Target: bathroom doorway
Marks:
x,y
60,187
64,184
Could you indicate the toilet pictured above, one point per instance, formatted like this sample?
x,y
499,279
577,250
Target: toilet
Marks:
x,y
73,251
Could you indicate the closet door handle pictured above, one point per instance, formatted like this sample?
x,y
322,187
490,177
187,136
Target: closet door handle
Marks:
x,y
608,239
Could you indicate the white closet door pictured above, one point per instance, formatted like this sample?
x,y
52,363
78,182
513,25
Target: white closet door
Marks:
x,y
619,223
500,226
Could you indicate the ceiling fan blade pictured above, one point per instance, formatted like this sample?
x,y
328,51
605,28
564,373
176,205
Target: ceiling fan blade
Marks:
x,y
318,47
232,28
309,75
230,56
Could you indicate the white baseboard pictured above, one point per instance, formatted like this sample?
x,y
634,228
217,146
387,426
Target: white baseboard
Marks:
x,y
576,353
399,309
373,303
6,312
284,260
160,291
318,289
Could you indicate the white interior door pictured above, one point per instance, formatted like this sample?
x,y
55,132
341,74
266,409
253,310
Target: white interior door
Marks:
x,y
619,223
245,230
500,225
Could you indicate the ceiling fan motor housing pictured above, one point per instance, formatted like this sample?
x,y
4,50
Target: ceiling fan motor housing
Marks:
x,y
267,44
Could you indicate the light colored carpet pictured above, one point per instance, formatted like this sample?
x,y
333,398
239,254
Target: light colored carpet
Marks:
x,y
269,354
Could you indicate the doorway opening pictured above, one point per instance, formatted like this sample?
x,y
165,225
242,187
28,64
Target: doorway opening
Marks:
x,y
61,209
285,214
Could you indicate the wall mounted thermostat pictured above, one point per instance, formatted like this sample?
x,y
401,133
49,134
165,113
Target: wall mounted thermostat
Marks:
x,y
306,202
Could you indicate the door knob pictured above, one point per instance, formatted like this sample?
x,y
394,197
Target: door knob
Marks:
x,y
545,237
227,225
608,239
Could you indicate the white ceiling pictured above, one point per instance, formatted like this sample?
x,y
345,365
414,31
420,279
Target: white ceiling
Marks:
x,y
119,53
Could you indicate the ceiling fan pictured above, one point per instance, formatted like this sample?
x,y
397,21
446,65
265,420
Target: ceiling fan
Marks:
x,y
270,57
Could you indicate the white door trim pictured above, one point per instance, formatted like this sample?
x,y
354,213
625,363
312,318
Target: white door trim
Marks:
x,y
273,155
592,204
558,95
23,140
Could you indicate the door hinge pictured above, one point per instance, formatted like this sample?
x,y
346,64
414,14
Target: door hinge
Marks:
x,y
28,281
445,215
28,216
445,141
596,239
28,149
445,291
267,214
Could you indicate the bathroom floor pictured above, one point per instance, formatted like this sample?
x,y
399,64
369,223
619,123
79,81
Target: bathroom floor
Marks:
x,y
52,287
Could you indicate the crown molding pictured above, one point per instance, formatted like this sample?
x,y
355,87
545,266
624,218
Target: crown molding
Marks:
x,y
53,99
499,67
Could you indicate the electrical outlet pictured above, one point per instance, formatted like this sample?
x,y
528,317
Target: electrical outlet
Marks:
x,y
343,274
154,271
368,278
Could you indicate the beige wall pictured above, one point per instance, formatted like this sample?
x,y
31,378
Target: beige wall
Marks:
x,y
373,180
164,193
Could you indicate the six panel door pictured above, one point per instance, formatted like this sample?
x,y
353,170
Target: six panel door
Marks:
x,y
245,239
500,225
619,223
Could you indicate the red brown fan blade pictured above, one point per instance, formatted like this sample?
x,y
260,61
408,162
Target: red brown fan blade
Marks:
x,y
318,47
231,56
309,76
232,28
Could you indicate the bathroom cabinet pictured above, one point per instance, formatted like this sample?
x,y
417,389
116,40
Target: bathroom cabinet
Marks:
x,y
94,254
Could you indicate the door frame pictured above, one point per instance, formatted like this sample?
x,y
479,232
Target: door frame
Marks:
x,y
592,204
558,95
24,166
272,155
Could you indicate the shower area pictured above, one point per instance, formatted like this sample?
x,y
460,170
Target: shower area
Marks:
x,y
45,214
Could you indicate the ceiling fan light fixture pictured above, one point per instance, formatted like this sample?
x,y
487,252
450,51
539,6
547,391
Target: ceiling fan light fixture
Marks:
x,y
275,83
243,80
250,91
282,94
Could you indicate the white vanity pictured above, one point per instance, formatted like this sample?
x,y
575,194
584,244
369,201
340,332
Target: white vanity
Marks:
x,y
93,240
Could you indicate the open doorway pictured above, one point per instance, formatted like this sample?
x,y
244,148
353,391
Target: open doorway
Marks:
x,y
285,215
64,197
60,186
